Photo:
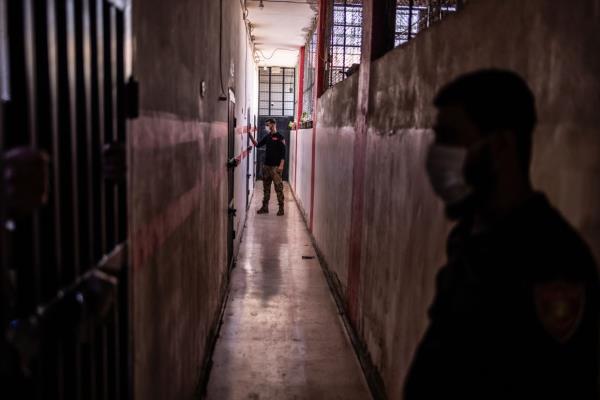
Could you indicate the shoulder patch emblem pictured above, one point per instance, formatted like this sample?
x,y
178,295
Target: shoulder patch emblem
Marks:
x,y
559,307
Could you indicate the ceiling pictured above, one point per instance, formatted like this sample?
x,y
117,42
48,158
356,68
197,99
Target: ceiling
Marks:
x,y
280,28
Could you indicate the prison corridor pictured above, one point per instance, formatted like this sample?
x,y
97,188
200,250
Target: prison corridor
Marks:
x,y
281,337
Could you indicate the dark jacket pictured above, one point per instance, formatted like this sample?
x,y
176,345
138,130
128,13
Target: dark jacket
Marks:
x,y
275,143
515,314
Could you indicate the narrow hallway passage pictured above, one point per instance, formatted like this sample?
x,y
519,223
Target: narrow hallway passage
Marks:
x,y
281,337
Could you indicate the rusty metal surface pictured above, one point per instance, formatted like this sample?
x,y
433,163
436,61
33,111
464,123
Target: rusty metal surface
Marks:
x,y
281,337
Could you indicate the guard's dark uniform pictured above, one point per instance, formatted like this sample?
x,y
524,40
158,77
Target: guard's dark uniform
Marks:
x,y
275,143
515,314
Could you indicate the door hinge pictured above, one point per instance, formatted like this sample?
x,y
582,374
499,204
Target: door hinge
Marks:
x,y
114,162
132,99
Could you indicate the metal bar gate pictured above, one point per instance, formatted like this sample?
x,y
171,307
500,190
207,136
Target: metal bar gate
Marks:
x,y
63,275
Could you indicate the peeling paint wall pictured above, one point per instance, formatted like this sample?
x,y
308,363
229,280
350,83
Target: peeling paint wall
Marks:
x,y
555,48
178,184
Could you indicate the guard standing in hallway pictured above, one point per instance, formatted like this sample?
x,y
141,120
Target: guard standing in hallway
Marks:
x,y
516,308
273,167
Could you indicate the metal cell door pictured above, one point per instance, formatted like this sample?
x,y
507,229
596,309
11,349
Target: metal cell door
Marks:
x,y
63,201
231,178
248,143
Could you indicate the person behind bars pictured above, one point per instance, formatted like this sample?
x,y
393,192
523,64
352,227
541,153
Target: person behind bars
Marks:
x,y
273,167
516,308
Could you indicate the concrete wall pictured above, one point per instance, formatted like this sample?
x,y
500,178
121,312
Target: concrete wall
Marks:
x,y
556,50
178,184
333,176
302,139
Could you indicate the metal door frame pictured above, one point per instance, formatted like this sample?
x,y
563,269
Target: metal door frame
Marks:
x,y
231,126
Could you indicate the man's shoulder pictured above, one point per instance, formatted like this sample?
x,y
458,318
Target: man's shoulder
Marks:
x,y
556,245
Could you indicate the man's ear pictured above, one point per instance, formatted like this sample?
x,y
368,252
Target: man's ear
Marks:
x,y
504,146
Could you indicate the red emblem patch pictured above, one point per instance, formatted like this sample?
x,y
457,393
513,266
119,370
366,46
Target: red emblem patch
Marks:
x,y
559,307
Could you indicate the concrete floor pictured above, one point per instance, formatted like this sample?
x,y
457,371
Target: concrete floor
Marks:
x,y
281,336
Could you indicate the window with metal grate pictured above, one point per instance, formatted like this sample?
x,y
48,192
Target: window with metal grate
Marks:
x,y
346,39
276,91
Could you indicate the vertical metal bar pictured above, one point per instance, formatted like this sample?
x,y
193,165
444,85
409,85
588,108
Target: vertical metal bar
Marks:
x,y
109,118
89,140
345,38
411,5
121,305
4,97
4,58
72,92
29,43
74,382
49,223
115,116
322,47
100,124
35,285
83,132
121,121
57,244
56,150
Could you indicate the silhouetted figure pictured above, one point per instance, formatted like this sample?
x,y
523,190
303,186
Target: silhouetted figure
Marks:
x,y
516,309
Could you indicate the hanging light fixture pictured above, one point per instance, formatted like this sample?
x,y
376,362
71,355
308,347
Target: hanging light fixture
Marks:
x,y
261,5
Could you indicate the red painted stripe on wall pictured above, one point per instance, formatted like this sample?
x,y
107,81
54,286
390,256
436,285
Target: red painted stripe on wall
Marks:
x,y
243,154
300,107
151,237
152,131
240,130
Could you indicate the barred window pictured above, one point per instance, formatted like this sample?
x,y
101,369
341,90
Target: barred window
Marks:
x,y
276,91
346,39
310,68
413,16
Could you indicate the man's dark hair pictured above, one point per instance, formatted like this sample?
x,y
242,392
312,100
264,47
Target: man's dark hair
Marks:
x,y
495,100
270,121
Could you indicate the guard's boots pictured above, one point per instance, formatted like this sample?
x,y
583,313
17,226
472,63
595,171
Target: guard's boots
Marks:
x,y
280,212
263,210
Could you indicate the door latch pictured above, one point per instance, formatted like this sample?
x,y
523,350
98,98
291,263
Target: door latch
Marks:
x,y
114,161
132,98
232,162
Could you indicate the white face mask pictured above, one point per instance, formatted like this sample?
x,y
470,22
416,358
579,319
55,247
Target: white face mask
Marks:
x,y
445,169
267,129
